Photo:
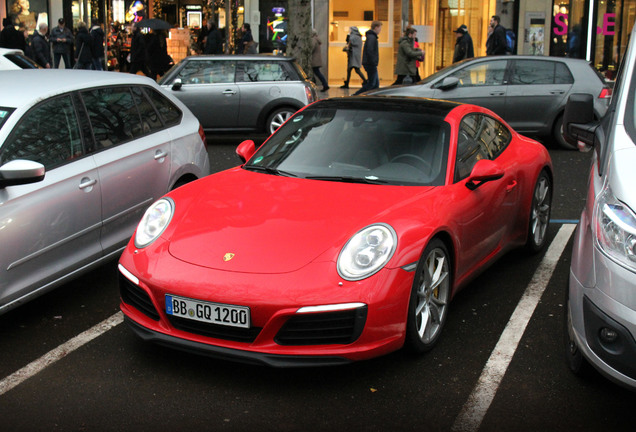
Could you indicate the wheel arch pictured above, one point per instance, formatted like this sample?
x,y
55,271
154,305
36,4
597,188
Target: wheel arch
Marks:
x,y
274,105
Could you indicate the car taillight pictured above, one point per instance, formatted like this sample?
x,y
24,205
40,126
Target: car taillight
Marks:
x,y
202,135
309,94
606,93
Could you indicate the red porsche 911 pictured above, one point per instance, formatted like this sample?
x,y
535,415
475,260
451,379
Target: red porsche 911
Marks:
x,y
343,237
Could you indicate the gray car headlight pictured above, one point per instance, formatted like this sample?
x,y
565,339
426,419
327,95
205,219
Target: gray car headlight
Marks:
x,y
616,229
154,222
367,252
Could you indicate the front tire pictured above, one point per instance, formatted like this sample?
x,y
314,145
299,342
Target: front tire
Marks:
x,y
430,296
277,118
539,213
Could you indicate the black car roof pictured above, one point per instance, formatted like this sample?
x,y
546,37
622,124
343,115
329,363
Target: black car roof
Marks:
x,y
433,107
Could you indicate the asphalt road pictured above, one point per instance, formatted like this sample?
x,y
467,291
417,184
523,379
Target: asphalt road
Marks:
x,y
115,382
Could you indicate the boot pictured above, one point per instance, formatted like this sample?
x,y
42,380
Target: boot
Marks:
x,y
346,85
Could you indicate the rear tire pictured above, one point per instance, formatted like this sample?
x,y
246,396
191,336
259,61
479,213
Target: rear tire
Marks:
x,y
277,118
540,210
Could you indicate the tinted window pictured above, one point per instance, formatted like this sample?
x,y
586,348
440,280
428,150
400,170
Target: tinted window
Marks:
x,y
207,72
150,119
255,71
485,73
480,137
113,115
22,61
529,72
48,134
170,114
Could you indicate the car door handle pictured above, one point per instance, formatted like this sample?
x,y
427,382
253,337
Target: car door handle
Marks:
x,y
87,182
511,186
555,92
229,92
497,93
160,154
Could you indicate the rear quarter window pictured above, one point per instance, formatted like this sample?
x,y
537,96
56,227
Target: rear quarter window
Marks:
x,y
169,112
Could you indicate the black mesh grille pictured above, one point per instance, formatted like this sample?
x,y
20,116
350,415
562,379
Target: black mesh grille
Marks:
x,y
134,296
236,334
341,327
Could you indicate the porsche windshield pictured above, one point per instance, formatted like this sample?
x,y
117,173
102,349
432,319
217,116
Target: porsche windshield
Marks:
x,y
353,145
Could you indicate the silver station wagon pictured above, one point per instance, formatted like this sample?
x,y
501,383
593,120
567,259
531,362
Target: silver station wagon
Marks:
x,y
240,92
82,155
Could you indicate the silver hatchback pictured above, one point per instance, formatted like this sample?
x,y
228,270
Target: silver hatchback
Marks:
x,y
82,155
600,319
240,92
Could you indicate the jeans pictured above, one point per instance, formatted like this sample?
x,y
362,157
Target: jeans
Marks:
x,y
65,56
320,76
373,81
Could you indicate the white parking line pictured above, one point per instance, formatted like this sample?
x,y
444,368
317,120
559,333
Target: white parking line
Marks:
x,y
474,410
59,353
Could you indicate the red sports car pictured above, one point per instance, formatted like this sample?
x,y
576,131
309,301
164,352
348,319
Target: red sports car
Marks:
x,y
342,238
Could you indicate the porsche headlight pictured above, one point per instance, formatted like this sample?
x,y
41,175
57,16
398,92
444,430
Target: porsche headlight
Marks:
x,y
367,252
616,229
154,222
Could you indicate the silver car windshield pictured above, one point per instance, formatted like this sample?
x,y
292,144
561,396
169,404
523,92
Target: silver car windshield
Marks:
x,y
359,146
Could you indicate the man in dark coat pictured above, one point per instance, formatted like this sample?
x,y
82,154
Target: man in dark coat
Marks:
x,y
84,51
213,41
40,48
97,34
62,40
464,45
10,37
138,55
371,57
496,43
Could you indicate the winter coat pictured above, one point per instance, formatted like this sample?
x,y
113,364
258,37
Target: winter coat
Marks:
x,y
214,42
463,48
84,49
157,48
370,52
407,55
316,55
496,43
354,59
12,38
40,49
58,33
98,42
138,48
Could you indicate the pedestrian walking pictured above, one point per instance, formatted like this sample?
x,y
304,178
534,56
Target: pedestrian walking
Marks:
x,y
354,55
157,49
247,44
40,48
84,48
97,35
10,37
213,41
316,60
463,45
62,40
138,54
407,57
371,57
496,42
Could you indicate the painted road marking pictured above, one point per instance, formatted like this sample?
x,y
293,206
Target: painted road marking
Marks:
x,y
59,353
474,410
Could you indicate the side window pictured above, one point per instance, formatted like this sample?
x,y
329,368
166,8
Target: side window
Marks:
x,y
563,75
150,119
262,71
482,74
195,72
48,134
469,147
169,112
221,72
113,115
493,135
528,72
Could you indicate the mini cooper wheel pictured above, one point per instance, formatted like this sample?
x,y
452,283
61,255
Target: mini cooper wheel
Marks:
x,y
278,117
540,213
430,295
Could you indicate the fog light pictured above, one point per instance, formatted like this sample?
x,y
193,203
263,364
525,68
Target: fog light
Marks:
x,y
608,335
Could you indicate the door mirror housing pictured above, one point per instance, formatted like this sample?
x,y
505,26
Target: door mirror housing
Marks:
x,y
484,171
579,125
448,83
176,84
20,171
246,150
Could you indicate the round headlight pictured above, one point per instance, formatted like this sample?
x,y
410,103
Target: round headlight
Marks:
x,y
367,252
154,222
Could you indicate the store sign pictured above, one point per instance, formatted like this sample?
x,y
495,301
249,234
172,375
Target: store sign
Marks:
x,y
608,28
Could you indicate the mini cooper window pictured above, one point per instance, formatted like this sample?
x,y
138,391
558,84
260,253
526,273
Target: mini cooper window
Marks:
x,y
482,74
48,134
113,114
255,71
207,72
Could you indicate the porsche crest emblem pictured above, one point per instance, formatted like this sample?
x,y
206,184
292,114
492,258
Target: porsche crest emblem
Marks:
x,y
228,256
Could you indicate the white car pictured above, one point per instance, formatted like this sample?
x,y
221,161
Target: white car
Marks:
x,y
601,299
11,59
82,155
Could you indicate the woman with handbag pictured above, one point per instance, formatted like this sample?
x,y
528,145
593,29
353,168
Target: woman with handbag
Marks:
x,y
354,55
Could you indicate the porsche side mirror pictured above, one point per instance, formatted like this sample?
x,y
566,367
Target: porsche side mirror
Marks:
x,y
246,150
176,84
484,171
448,83
19,172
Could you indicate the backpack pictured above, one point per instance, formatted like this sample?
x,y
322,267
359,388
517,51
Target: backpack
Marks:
x,y
511,39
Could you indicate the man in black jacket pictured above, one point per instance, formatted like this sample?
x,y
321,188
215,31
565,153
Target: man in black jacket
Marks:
x,y
463,45
496,43
40,46
371,57
10,37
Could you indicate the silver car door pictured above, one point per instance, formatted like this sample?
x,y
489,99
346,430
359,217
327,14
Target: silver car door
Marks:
x,y
481,83
133,159
48,229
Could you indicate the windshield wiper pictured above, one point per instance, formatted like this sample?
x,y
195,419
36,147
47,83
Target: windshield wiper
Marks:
x,y
349,179
270,170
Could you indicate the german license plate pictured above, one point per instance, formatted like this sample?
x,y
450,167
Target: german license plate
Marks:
x,y
213,313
